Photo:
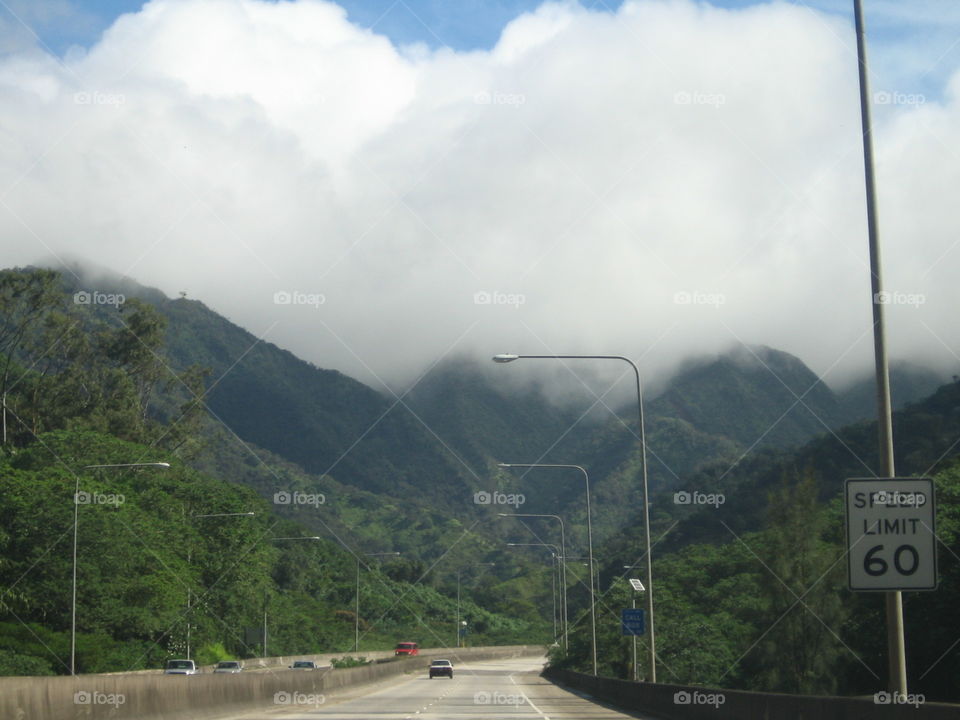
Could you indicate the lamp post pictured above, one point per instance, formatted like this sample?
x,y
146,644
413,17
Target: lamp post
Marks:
x,y
489,564
190,555
554,572
311,538
563,569
636,586
593,610
506,358
356,614
896,651
76,525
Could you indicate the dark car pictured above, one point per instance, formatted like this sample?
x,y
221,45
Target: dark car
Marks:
x,y
407,649
439,668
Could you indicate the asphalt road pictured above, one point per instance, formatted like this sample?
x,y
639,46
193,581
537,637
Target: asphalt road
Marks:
x,y
491,690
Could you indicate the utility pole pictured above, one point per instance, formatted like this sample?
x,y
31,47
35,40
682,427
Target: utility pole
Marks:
x,y
896,655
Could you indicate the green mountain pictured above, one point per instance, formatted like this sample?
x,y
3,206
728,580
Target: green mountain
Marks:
x,y
426,453
755,579
93,381
89,397
756,396
908,383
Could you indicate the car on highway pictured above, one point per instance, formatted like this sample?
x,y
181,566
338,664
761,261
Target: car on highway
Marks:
x,y
407,649
439,668
303,665
228,666
180,667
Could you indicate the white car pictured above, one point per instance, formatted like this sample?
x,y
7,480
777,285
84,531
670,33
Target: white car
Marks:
x,y
303,665
228,666
180,667
439,668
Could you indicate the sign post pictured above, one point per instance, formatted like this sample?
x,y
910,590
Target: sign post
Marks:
x,y
891,534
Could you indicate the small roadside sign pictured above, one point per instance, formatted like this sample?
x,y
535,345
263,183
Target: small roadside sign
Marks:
x,y
632,621
891,534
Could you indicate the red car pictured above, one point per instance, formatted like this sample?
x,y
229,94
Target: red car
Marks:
x,y
407,648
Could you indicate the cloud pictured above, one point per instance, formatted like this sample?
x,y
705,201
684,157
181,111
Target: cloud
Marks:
x,y
666,180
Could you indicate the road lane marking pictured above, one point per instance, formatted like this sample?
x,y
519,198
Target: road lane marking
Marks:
x,y
525,697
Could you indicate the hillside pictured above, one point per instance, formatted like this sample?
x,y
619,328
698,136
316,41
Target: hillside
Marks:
x,y
161,545
438,446
757,397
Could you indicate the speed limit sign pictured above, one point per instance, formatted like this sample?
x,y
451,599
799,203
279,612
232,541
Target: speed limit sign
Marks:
x,y
891,536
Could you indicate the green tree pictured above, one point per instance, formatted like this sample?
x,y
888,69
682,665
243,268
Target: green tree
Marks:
x,y
800,650
25,299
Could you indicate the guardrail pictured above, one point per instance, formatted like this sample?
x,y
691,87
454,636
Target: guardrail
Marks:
x,y
198,697
685,702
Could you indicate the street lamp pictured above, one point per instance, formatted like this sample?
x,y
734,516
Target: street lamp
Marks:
x,y
189,559
554,572
356,614
563,568
76,525
488,564
586,478
506,358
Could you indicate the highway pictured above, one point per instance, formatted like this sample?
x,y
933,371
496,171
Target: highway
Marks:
x,y
491,690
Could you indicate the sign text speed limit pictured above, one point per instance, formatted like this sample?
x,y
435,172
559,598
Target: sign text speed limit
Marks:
x,y
891,534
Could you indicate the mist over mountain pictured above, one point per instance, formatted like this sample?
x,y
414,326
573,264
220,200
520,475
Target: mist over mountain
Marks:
x,y
373,207
440,441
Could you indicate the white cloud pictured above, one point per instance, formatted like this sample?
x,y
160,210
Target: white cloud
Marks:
x,y
657,182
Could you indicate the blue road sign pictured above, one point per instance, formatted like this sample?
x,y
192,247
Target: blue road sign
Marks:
x,y
632,621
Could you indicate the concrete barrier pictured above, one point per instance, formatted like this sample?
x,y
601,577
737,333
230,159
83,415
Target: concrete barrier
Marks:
x,y
207,696
685,702
282,661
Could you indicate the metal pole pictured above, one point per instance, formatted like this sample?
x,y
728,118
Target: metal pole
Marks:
x,y
652,654
73,602
553,579
586,477
636,670
563,580
897,664
593,602
652,657
458,608
356,614
563,568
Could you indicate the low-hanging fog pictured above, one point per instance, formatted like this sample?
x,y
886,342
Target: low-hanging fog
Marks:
x,y
664,181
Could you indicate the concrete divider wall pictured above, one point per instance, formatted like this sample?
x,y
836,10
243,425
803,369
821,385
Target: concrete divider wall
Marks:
x,y
176,697
282,661
666,701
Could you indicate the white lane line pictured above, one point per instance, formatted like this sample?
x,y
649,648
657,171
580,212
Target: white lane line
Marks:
x,y
525,697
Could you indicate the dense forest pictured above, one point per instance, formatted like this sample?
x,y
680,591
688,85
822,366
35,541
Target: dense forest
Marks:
x,y
749,593
752,592
161,550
